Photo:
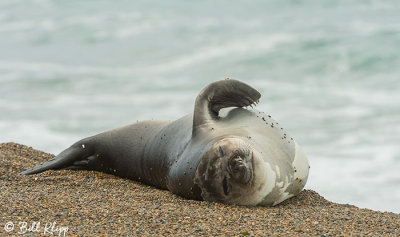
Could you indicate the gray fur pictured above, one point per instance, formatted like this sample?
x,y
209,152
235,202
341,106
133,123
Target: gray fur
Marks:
x,y
199,156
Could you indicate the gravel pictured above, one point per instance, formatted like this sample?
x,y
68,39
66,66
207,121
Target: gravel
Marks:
x,y
88,203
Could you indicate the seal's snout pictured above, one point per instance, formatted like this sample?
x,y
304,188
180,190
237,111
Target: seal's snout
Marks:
x,y
241,169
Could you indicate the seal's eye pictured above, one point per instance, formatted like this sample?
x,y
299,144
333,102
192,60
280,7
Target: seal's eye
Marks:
x,y
225,186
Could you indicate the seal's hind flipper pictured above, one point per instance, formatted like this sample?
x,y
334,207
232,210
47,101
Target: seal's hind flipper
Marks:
x,y
222,94
74,157
82,164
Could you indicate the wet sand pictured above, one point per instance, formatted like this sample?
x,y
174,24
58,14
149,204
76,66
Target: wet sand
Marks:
x,y
92,203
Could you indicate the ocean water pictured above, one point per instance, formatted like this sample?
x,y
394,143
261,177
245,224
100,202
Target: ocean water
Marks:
x,y
328,71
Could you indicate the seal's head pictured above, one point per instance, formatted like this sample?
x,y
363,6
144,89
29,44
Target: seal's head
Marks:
x,y
231,171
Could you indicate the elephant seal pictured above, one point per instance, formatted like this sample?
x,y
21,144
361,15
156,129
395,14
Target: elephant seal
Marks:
x,y
242,157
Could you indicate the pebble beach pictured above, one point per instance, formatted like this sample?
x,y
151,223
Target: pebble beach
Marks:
x,y
88,203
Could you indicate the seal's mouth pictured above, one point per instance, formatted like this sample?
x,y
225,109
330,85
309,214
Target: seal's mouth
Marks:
x,y
225,170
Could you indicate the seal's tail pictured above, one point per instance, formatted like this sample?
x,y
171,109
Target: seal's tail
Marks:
x,y
75,157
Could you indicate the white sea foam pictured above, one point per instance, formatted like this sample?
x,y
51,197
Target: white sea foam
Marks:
x,y
36,134
228,48
235,48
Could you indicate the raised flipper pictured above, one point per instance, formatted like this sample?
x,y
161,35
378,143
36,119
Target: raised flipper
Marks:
x,y
75,157
222,94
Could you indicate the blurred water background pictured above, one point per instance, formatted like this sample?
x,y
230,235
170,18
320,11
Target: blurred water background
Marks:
x,y
328,71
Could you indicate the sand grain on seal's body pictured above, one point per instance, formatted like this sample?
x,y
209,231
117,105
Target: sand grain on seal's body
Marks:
x,y
93,203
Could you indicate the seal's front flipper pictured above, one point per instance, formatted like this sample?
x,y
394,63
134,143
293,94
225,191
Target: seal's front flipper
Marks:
x,y
222,94
75,157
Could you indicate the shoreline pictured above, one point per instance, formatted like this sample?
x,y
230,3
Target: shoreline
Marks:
x,y
93,203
